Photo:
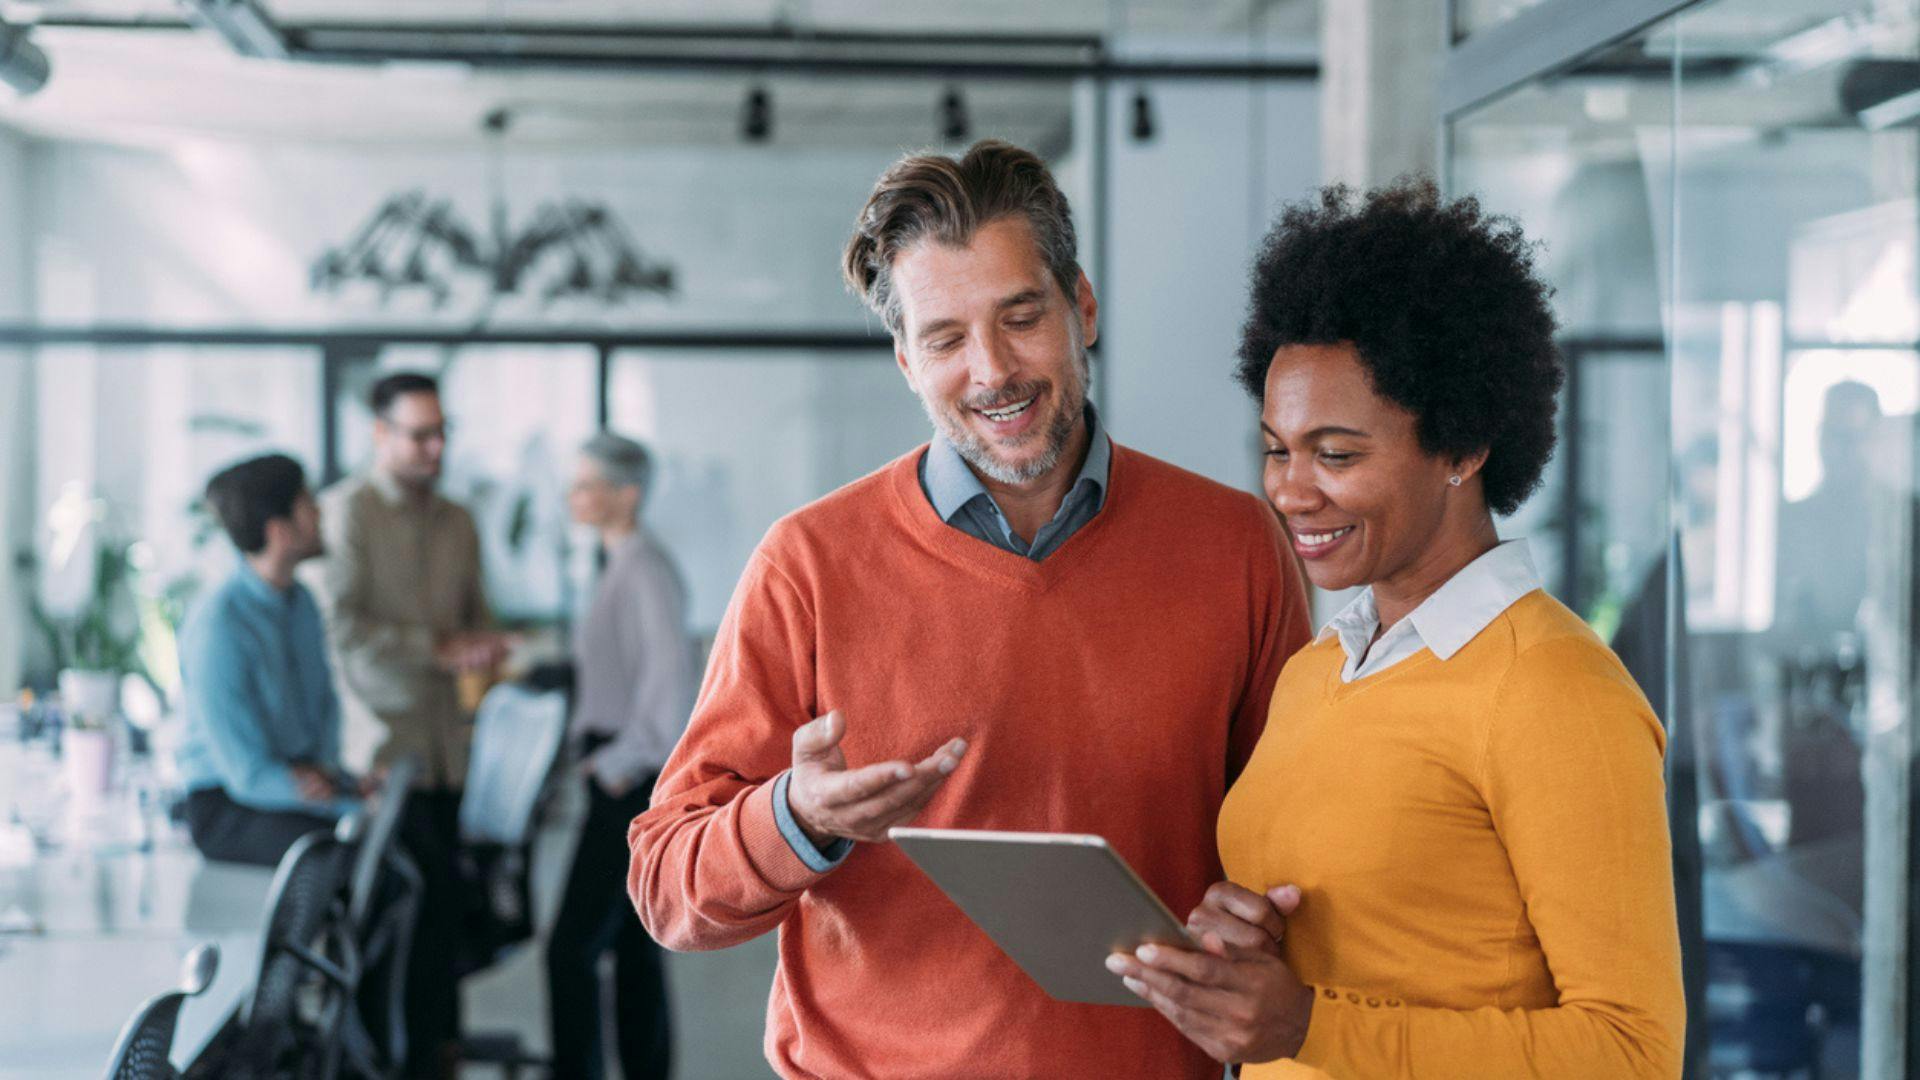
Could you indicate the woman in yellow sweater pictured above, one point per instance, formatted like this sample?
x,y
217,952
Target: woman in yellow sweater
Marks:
x,y
1449,852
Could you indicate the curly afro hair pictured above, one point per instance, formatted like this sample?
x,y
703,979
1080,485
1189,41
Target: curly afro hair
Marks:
x,y
1442,303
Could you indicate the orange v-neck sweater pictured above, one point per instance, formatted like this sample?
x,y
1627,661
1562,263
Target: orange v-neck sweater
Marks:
x,y
1114,688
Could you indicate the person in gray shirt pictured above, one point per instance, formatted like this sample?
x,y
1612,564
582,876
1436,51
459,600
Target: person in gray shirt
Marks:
x,y
634,678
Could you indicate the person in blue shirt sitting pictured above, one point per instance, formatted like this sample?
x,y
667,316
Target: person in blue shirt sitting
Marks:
x,y
261,753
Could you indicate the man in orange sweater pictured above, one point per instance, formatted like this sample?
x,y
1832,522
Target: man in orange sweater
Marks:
x,y
1018,626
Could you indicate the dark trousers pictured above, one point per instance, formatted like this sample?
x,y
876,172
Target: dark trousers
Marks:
x,y
226,831
596,916
430,832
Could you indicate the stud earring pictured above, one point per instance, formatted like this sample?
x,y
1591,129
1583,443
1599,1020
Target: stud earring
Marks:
x,y
1453,480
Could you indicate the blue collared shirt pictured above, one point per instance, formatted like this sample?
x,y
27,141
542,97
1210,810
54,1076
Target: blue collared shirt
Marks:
x,y
963,502
259,695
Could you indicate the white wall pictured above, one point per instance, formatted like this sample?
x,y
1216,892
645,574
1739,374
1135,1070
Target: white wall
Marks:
x,y
219,233
1189,208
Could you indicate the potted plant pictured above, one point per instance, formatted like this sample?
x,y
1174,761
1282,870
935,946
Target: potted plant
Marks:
x,y
98,643
94,641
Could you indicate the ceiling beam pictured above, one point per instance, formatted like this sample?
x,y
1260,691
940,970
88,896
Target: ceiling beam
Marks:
x,y
761,50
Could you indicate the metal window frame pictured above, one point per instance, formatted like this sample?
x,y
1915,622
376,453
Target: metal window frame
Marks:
x,y
340,347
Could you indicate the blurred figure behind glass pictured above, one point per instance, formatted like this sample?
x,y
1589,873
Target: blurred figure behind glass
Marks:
x,y
1822,580
1818,599
634,685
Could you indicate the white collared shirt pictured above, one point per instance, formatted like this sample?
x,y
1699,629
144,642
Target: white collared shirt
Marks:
x,y
1444,622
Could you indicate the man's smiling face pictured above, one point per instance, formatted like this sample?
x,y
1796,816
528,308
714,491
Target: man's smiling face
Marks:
x,y
995,350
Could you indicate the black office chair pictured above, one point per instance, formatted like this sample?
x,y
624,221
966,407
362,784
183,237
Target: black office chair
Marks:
x,y
309,963
374,1037
384,894
147,1042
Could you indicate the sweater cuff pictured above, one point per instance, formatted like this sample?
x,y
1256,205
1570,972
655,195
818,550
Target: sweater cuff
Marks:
x,y
768,851
1333,1009
818,860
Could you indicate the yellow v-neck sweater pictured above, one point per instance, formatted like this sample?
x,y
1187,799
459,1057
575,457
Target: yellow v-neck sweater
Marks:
x,y
1482,848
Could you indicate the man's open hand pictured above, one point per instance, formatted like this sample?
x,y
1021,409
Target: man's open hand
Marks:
x,y
832,801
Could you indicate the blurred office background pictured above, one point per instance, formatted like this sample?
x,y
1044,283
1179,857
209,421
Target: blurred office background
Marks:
x,y
219,223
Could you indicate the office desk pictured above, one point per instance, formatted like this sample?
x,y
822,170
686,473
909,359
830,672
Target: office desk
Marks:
x,y
91,928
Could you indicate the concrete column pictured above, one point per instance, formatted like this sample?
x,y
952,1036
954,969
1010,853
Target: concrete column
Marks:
x,y
1379,65
16,408
16,535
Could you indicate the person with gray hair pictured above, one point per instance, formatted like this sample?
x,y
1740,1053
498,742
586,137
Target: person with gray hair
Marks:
x,y
620,461
633,689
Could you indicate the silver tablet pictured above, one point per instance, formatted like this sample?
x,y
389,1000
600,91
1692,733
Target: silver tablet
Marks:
x,y
1056,903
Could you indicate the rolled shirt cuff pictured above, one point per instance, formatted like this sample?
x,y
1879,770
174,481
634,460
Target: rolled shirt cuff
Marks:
x,y
816,860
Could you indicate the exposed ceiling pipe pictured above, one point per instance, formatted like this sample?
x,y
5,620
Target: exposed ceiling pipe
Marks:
x,y
243,24
632,47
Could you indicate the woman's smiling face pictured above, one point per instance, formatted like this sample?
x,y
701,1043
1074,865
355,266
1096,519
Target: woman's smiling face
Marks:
x,y
1362,501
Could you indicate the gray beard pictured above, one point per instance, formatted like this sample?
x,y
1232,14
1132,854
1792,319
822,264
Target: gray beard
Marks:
x,y
976,452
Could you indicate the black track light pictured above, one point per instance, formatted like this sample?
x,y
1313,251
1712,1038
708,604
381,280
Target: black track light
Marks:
x,y
1142,115
953,116
756,118
23,66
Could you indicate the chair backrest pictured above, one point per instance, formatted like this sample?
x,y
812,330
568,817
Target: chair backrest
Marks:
x,y
376,839
302,905
374,1036
147,1041
307,942
382,903
516,736
364,920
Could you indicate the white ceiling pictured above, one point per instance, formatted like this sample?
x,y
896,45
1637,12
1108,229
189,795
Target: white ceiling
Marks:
x,y
164,85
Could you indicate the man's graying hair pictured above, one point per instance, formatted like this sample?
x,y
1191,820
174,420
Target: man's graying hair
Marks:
x,y
933,196
621,461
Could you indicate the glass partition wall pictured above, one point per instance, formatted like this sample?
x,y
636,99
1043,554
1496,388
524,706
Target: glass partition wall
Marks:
x,y
1727,202
128,438
515,414
745,437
